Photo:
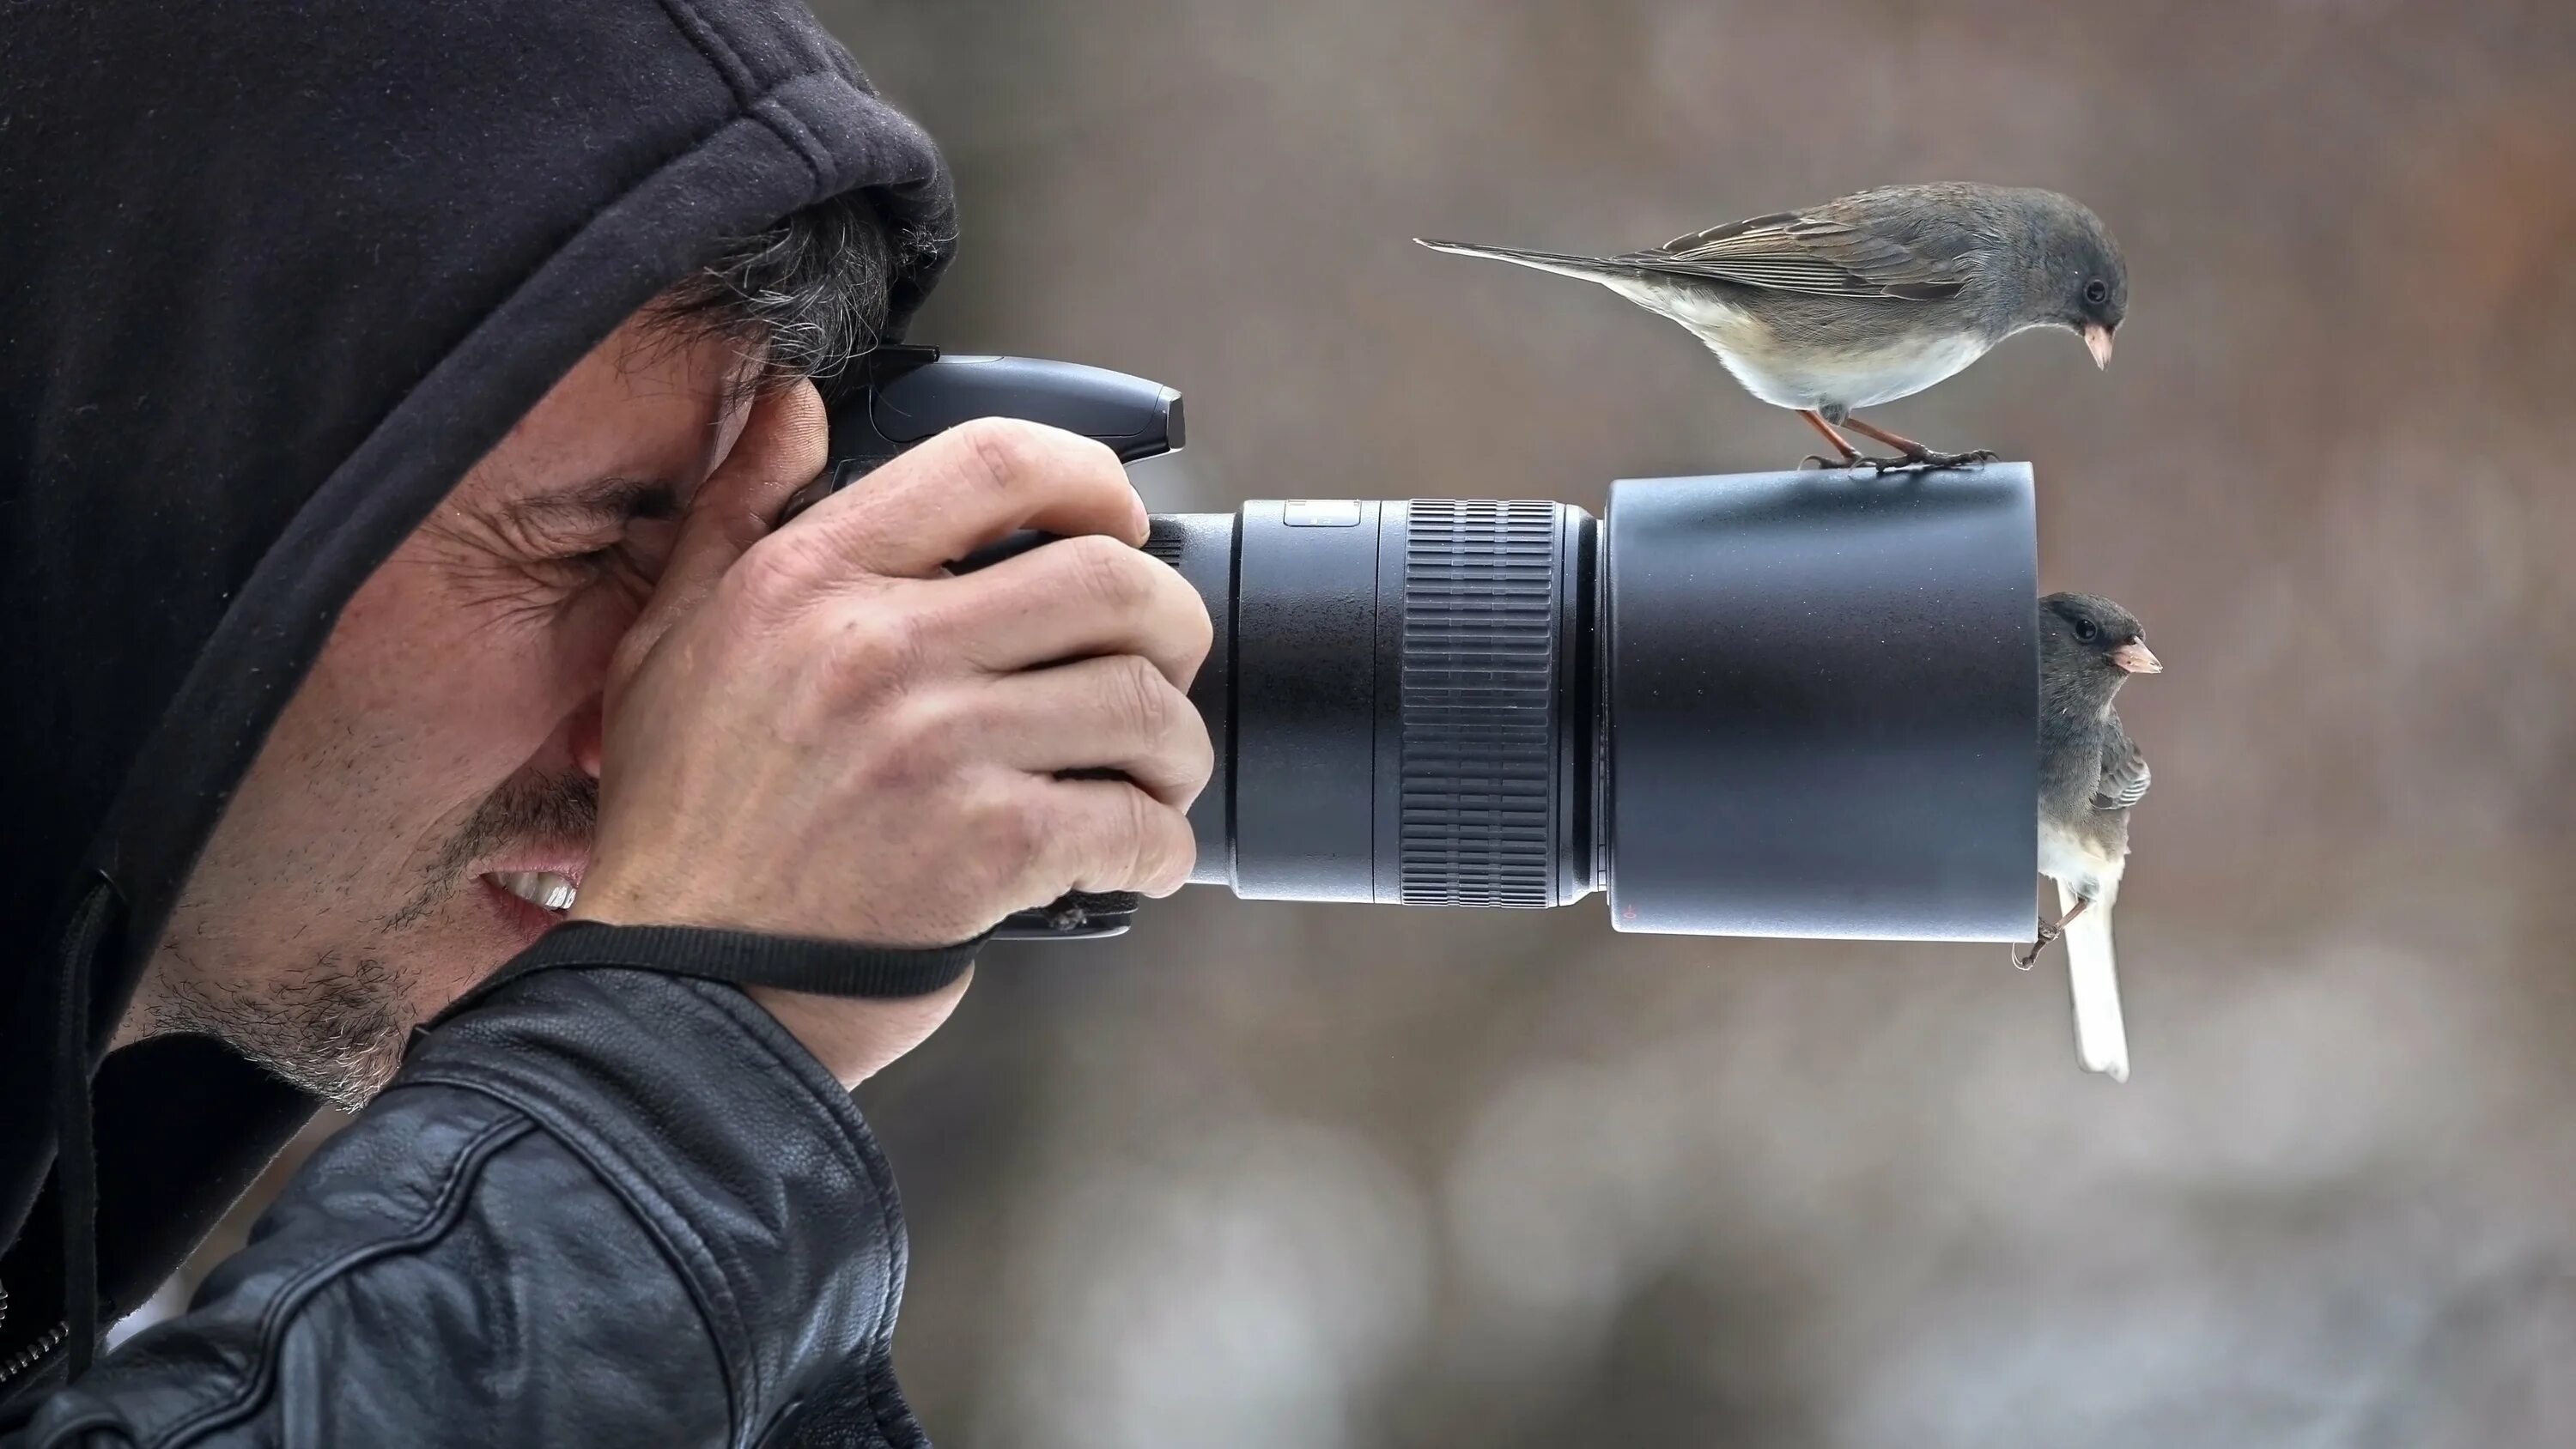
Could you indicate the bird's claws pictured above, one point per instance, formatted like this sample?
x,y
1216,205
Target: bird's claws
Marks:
x,y
2024,960
1926,458
1925,461
1856,462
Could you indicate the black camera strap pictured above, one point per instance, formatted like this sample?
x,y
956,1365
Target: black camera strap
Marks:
x,y
745,958
740,958
791,963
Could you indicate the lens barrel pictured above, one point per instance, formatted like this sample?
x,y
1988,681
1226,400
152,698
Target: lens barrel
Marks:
x,y
1769,704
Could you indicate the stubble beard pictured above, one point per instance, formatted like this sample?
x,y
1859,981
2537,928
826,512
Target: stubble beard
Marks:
x,y
337,1025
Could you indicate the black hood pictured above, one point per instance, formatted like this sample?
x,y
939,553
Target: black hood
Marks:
x,y
273,276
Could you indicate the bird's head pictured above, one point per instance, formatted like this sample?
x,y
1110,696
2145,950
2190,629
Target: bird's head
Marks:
x,y
2089,643
2083,279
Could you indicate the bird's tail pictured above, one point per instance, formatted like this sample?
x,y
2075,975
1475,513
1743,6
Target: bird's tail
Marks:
x,y
1564,264
2093,979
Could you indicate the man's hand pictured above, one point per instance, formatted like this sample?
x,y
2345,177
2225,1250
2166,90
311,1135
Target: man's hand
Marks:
x,y
818,732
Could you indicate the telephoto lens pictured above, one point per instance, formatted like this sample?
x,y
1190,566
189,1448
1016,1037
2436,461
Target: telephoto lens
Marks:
x,y
1780,704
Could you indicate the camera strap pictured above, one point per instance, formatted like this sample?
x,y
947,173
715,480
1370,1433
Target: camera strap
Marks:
x,y
740,958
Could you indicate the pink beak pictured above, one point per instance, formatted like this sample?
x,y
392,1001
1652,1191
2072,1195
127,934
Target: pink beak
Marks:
x,y
2136,658
2097,340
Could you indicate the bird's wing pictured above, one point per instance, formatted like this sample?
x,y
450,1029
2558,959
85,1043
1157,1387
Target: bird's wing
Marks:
x,y
2125,775
1860,246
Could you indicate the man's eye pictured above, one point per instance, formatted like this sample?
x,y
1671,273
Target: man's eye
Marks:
x,y
566,571
574,558
640,550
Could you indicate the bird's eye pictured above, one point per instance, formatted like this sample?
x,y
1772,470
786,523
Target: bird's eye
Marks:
x,y
2097,292
2087,630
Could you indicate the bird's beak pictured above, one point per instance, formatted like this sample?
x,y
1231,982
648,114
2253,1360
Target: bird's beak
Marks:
x,y
2097,340
2136,658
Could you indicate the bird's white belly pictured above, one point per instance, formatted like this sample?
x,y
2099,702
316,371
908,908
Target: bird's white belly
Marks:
x,y
1882,376
1789,375
2065,857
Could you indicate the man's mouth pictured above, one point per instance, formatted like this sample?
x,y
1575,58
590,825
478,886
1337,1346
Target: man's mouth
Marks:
x,y
541,888
523,852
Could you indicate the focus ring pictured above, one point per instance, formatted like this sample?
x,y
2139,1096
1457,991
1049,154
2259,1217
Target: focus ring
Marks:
x,y
1478,676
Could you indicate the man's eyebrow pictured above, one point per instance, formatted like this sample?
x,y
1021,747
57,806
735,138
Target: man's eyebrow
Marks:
x,y
600,500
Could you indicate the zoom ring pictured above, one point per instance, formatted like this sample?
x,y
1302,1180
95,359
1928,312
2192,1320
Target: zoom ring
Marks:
x,y
1478,693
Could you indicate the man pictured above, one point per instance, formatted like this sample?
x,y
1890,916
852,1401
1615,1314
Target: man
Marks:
x,y
395,402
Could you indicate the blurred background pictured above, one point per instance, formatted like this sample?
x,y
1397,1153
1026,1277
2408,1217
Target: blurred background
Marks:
x,y
1262,1174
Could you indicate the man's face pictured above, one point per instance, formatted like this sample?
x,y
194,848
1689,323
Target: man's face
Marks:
x,y
440,763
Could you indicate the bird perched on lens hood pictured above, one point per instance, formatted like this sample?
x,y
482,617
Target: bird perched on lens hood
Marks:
x,y
2091,775
1873,297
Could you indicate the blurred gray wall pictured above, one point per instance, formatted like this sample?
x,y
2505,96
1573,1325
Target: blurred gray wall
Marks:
x,y
1272,1175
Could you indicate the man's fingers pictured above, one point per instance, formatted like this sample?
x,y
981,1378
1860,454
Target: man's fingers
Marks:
x,y
973,484
1100,714
1073,599
784,443
1107,835
782,447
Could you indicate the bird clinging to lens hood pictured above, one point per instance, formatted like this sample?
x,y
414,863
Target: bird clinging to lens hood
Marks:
x,y
2091,774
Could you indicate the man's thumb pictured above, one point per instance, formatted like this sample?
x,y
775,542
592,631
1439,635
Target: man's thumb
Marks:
x,y
784,443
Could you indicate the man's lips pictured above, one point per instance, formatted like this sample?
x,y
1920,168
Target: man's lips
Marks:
x,y
548,878
545,888
524,918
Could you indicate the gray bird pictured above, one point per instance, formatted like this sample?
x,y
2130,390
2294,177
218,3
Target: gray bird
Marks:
x,y
1873,297
2090,776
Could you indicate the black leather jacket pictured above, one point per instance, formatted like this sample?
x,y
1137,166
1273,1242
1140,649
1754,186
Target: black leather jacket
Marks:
x,y
602,1206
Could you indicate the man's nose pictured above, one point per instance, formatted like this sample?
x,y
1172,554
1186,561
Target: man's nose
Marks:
x,y
588,730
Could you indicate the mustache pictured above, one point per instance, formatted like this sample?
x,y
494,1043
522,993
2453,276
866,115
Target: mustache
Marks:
x,y
526,807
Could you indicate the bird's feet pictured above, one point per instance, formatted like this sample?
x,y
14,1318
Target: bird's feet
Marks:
x,y
1922,459
1925,458
2048,932
1856,460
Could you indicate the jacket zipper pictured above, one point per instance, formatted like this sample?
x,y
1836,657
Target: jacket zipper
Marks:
x,y
34,1353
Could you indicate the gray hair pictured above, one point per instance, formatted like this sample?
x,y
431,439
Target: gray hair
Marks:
x,y
808,293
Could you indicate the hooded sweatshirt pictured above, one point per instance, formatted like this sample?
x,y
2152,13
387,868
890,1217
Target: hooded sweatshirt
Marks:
x,y
273,275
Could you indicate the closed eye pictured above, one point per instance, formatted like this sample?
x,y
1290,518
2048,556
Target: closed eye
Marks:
x,y
637,552
606,526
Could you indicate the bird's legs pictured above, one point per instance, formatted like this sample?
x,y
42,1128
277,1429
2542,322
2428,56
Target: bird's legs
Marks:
x,y
1916,455
2048,931
1851,456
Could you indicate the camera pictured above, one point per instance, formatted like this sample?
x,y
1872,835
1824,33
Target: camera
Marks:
x,y
1777,704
